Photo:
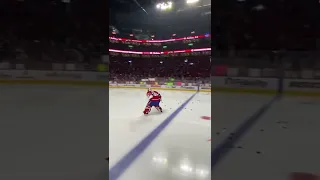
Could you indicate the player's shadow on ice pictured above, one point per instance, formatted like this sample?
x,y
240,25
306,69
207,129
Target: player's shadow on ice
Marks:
x,y
144,120
155,112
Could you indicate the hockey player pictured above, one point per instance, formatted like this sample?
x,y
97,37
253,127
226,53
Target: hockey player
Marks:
x,y
154,100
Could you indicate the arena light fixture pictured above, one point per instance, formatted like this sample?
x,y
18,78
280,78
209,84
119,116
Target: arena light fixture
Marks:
x,y
164,6
191,1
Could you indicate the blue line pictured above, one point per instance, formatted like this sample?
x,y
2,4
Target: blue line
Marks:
x,y
121,166
226,145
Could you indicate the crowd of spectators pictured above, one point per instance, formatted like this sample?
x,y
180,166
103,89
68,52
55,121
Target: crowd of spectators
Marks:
x,y
136,25
266,25
291,64
191,67
40,33
268,34
252,34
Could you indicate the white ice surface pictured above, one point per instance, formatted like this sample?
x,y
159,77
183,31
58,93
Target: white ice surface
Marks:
x,y
53,132
181,151
292,146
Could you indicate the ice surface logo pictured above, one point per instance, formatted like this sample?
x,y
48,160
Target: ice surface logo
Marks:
x,y
246,82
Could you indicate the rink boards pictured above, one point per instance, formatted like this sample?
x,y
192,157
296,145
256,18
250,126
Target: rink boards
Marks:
x,y
295,87
269,86
54,77
78,78
162,87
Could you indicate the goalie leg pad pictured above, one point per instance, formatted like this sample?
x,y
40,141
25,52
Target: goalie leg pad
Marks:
x,y
147,110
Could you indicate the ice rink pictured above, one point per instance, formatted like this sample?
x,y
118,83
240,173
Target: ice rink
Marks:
x,y
258,137
53,132
59,132
173,145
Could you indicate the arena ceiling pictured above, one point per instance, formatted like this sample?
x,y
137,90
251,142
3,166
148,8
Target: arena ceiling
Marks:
x,y
144,13
129,6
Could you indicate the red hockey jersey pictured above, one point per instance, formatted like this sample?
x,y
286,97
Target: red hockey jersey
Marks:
x,y
155,96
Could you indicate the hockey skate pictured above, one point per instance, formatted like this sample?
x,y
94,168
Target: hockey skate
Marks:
x,y
159,108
